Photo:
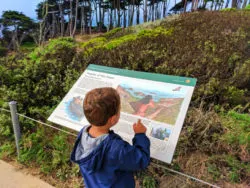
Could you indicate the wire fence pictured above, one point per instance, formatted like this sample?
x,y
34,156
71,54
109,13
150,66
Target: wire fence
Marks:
x,y
153,164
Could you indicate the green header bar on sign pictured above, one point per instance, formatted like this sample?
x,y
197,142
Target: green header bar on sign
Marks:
x,y
144,75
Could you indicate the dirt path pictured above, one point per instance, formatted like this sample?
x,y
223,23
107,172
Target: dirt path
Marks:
x,y
10,177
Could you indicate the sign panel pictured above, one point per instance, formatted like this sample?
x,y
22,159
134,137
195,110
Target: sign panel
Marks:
x,y
160,101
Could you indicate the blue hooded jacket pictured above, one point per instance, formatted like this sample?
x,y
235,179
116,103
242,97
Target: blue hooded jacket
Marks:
x,y
113,161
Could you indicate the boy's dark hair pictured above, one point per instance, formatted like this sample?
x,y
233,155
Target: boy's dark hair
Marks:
x,y
100,104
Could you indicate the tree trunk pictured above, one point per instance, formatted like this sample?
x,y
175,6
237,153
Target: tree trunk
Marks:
x,y
216,5
145,11
132,14
119,13
22,38
227,3
43,23
124,18
156,11
100,16
70,19
205,4
96,13
119,18
138,15
90,18
115,24
76,16
239,3
82,20
14,40
234,3
192,7
196,4
185,6
164,9
103,15
153,11
53,32
244,4
61,19
111,20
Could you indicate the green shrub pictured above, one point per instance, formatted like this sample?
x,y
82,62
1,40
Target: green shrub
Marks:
x,y
112,33
3,51
93,45
62,49
228,166
28,46
247,7
238,129
7,150
228,9
49,151
155,32
149,182
122,40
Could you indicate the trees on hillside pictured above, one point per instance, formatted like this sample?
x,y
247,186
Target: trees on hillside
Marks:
x,y
15,27
68,17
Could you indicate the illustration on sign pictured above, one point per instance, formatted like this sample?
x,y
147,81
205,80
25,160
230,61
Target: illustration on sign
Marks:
x,y
160,101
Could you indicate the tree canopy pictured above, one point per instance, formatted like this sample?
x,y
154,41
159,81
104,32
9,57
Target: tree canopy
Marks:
x,y
16,26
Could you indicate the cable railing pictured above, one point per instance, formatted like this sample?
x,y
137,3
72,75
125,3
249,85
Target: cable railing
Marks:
x,y
15,116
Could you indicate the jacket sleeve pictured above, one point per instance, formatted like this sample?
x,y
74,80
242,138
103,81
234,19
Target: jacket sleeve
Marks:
x,y
136,157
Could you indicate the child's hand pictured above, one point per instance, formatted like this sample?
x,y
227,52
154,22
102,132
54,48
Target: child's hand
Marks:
x,y
139,127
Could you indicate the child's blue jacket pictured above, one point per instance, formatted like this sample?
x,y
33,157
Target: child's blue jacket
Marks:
x,y
113,161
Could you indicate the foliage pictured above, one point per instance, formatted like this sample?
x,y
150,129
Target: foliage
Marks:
x,y
93,45
122,40
247,7
16,26
49,150
7,150
149,182
228,9
28,46
237,134
228,166
201,132
16,20
113,33
155,32
3,51
107,42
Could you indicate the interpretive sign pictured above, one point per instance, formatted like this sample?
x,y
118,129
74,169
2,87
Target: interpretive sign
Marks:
x,y
160,101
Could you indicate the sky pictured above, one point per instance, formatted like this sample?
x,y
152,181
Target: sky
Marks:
x,y
26,6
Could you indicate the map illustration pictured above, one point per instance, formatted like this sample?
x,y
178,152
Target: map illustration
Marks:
x,y
159,104
74,108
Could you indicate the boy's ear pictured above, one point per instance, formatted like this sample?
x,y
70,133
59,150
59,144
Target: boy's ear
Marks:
x,y
113,119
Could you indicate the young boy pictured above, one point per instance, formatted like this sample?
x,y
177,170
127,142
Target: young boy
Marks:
x,y
105,159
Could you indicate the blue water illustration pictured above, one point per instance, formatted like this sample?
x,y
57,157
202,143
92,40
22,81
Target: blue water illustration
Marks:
x,y
74,108
156,94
